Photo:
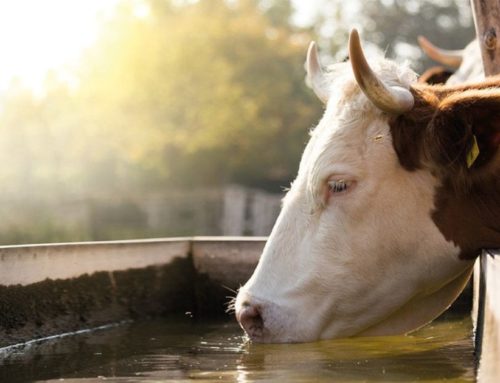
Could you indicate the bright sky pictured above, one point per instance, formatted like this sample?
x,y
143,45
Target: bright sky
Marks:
x,y
40,35
306,10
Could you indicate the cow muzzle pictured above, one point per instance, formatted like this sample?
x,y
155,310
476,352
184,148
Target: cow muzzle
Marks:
x,y
254,316
265,321
250,319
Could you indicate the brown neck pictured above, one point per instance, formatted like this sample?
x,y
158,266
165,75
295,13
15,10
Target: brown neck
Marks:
x,y
435,136
470,219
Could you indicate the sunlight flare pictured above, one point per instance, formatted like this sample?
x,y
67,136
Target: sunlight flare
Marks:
x,y
41,36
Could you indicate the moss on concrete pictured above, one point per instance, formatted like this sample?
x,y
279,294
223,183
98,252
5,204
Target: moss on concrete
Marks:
x,y
56,306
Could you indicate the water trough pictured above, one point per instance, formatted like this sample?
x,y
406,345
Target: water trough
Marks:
x,y
52,289
48,290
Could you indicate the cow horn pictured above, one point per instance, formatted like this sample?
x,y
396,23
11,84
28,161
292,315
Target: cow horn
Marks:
x,y
442,56
391,99
315,76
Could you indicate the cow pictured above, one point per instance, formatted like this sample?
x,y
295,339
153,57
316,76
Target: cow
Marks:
x,y
466,62
397,191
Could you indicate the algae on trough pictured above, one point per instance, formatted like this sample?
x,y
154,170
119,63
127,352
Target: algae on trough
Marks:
x,y
57,306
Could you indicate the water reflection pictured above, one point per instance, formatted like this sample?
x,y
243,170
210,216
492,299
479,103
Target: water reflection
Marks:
x,y
376,360
165,351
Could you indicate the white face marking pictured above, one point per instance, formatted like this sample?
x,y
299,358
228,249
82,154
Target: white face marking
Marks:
x,y
343,261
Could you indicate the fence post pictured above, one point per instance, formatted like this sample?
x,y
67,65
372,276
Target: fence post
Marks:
x,y
486,15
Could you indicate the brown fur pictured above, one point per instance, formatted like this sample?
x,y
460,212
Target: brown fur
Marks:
x,y
437,134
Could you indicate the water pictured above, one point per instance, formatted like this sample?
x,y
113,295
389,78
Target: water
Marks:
x,y
181,351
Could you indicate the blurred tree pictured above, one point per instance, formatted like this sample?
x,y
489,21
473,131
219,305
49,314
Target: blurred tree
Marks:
x,y
19,130
394,25
279,12
203,94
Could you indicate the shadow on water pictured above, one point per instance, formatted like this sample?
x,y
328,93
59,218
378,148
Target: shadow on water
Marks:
x,y
185,350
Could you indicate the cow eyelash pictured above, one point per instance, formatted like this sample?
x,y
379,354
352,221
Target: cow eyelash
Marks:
x,y
338,186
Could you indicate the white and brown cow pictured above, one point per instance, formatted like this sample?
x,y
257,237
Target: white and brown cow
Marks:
x,y
397,192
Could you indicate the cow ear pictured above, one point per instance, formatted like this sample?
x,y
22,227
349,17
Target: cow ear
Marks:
x,y
464,133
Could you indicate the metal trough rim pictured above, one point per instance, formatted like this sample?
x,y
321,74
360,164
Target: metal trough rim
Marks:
x,y
191,239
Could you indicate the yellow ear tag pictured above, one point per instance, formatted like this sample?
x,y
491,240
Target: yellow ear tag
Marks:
x,y
473,152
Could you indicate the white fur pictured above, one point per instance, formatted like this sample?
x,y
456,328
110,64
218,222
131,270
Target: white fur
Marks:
x,y
367,257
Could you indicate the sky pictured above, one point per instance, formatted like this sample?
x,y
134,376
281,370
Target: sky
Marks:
x,y
305,11
37,36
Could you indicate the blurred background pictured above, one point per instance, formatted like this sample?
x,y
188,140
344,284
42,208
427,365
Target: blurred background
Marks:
x,y
126,119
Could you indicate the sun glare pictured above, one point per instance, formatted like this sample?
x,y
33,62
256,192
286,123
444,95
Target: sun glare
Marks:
x,y
40,36
50,35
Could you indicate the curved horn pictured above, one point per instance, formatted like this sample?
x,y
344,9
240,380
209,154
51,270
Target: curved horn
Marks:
x,y
442,56
391,99
315,76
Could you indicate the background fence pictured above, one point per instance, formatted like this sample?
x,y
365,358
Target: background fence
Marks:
x,y
233,210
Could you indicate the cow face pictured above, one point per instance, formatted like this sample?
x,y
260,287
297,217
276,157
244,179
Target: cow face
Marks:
x,y
357,249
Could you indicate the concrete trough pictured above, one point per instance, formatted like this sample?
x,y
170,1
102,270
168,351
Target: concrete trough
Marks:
x,y
47,290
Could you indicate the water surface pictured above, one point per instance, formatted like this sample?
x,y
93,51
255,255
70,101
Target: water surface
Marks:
x,y
181,351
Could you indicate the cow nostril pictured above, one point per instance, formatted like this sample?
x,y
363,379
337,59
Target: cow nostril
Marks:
x,y
251,320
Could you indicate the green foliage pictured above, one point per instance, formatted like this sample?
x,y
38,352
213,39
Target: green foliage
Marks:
x,y
204,94
193,94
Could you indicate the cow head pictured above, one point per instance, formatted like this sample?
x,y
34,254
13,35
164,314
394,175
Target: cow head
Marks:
x,y
378,232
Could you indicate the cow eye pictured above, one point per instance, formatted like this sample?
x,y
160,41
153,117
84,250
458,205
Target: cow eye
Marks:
x,y
338,186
